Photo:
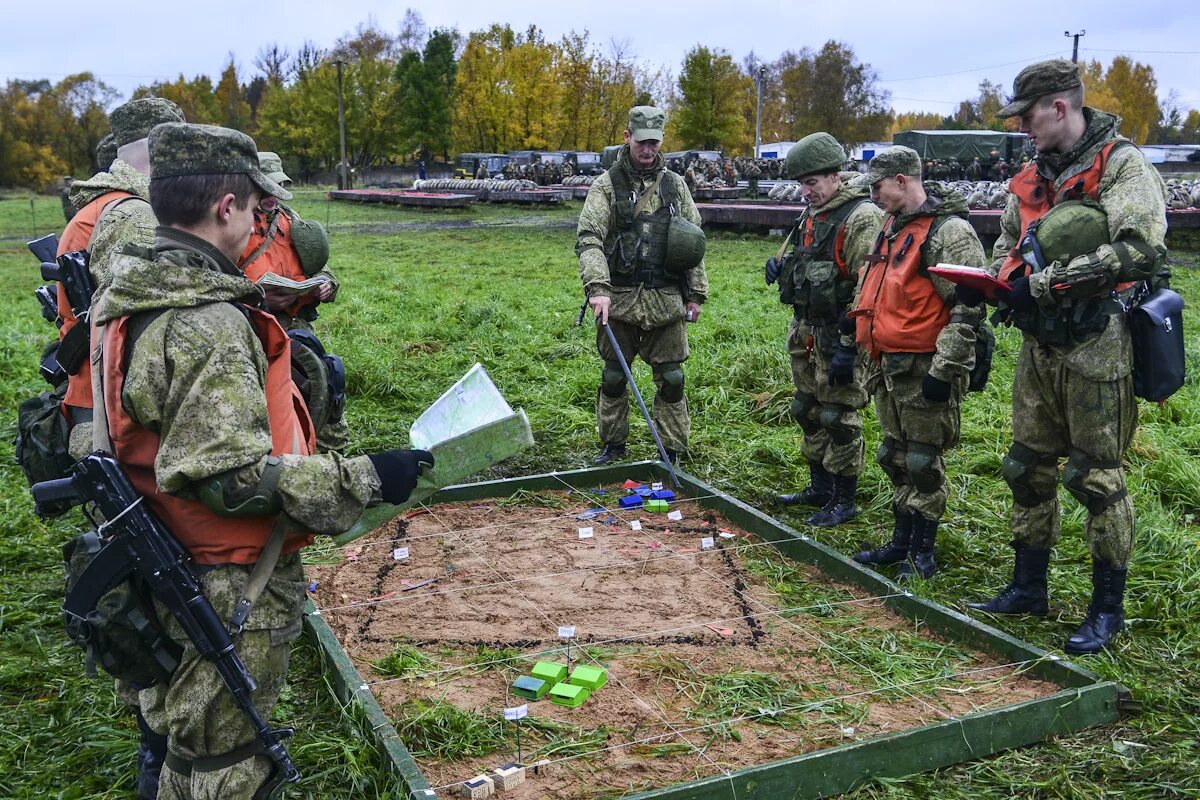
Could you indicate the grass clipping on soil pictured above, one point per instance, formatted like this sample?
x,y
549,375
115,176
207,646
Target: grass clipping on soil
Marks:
x,y
718,657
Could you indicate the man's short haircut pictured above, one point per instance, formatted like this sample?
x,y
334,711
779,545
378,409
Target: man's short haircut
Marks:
x,y
1073,98
186,199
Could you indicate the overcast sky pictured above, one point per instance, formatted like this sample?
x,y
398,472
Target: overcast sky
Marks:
x,y
929,55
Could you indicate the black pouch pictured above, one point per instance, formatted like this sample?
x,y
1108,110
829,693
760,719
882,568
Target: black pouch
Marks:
x,y
42,438
1159,363
985,349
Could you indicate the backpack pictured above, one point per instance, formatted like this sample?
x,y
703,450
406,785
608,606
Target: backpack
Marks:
x,y
42,438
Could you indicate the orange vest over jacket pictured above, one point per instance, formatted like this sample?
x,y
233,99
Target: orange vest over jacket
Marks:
x,y
279,257
211,539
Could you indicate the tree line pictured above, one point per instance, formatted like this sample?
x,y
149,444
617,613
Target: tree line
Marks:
x,y
423,94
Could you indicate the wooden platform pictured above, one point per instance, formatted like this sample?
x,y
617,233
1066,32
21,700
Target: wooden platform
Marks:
x,y
544,195
405,197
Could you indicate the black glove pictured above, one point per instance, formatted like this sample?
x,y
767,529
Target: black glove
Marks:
x,y
841,366
935,390
968,295
1017,296
772,270
846,323
398,472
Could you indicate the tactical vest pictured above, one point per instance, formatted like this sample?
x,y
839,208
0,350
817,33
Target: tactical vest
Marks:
x,y
78,236
1069,322
211,539
815,278
899,309
270,250
638,253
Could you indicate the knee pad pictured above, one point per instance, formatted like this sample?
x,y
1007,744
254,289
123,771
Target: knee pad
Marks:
x,y
889,451
831,419
672,382
921,461
1075,477
612,380
1018,467
802,405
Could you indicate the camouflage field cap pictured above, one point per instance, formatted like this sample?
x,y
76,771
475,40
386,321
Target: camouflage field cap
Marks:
x,y
646,122
1038,80
272,165
106,152
179,148
896,160
133,120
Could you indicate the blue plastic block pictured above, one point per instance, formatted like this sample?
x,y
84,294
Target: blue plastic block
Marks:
x,y
663,494
632,501
644,491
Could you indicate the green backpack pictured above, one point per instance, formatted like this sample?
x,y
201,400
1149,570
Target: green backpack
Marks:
x,y
42,437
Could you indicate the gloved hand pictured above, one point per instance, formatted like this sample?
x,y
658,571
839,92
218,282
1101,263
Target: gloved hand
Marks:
x,y
1017,297
772,270
398,472
968,295
935,390
841,366
846,323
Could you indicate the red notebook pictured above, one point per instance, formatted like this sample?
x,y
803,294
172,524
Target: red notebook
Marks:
x,y
975,277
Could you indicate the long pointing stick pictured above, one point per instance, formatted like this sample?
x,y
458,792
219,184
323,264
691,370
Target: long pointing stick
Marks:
x,y
662,451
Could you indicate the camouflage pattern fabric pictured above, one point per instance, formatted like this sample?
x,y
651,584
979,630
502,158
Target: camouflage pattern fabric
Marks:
x,y
179,148
122,223
195,710
1056,410
134,120
664,344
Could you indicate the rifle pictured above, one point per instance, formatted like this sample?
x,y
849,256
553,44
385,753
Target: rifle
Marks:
x,y
44,249
48,299
140,543
71,270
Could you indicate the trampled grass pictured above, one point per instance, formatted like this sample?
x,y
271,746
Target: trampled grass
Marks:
x,y
422,301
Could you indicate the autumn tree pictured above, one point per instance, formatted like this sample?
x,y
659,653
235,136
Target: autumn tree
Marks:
x,y
196,97
1127,89
917,121
711,113
831,91
425,95
231,101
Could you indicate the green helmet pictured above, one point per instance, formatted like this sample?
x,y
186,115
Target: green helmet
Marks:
x,y
312,245
1070,229
685,245
815,153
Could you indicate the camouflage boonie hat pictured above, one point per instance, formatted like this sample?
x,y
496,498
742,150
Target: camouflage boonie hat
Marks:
x,y
106,152
135,119
179,148
896,160
1037,81
272,166
646,122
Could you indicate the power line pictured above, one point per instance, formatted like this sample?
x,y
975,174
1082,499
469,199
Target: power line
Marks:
x,y
966,71
1151,52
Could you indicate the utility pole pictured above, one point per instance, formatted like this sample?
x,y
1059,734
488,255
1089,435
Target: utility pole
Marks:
x,y
343,167
760,72
1075,48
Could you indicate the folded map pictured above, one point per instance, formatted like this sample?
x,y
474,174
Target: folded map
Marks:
x,y
270,280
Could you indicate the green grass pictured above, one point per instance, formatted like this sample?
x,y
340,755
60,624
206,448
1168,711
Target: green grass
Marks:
x,y
420,305
401,661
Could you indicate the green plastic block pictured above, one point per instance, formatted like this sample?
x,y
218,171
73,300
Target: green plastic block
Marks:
x,y
590,678
564,694
656,505
549,671
530,688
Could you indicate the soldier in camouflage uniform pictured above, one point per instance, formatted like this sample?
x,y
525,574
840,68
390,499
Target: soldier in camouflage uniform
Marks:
x,y
202,413
922,343
1072,388
816,278
642,281
753,173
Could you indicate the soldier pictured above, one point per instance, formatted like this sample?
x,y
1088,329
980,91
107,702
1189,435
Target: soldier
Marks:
x,y
753,173
201,409
689,177
1001,169
568,169
1072,388
975,170
831,240
731,176
481,173
923,344
641,258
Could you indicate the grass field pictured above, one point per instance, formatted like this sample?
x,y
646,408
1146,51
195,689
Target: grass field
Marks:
x,y
427,294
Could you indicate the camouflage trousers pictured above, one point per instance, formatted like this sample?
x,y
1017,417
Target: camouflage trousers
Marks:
x,y
665,349
196,711
1058,412
916,433
828,415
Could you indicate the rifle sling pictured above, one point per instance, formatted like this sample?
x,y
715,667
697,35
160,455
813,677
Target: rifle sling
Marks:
x,y
107,568
186,766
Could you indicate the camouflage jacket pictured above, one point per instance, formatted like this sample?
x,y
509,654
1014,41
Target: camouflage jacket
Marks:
x,y
597,231
130,222
196,377
862,226
1133,196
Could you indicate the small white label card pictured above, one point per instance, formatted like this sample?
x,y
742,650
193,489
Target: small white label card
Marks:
x,y
706,543
400,553
585,533
566,631
675,515
635,525
520,712
726,535
656,486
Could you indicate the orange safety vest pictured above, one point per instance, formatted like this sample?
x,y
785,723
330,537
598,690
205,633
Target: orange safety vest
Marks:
x,y
77,236
211,539
1037,197
899,309
279,257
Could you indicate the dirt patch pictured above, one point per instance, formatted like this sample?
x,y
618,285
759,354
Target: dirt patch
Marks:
x,y
719,657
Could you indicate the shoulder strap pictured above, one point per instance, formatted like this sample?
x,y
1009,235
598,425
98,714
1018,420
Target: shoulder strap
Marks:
x,y
938,222
111,206
272,229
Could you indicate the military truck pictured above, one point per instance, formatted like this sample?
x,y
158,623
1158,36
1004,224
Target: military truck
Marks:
x,y
529,156
467,164
608,156
684,156
584,162
965,145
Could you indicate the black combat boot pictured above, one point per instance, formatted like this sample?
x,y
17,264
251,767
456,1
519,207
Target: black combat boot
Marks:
x,y
152,751
1027,593
897,549
817,493
672,455
1106,612
920,559
611,452
840,507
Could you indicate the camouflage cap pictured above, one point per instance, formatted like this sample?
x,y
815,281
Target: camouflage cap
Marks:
x,y
1038,80
106,152
272,165
646,122
133,120
896,160
178,148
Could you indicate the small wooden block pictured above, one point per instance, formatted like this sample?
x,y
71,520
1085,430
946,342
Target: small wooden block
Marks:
x,y
568,695
590,678
549,671
508,777
530,688
478,788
